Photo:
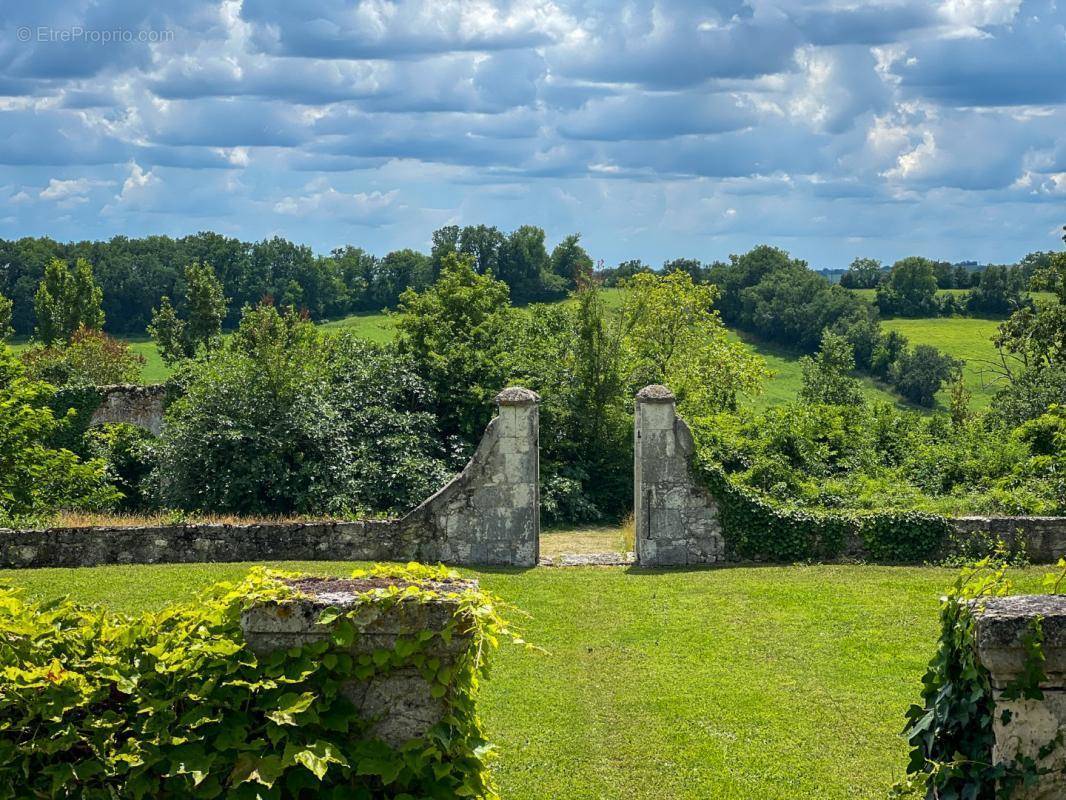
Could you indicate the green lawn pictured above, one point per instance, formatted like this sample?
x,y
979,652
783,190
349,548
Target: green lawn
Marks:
x,y
379,327
770,682
962,337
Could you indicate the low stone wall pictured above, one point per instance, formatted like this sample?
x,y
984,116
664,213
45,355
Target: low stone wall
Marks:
x,y
142,406
677,518
1042,538
489,514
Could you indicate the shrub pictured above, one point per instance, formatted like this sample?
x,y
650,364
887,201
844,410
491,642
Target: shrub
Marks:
x,y
919,373
281,420
92,358
173,704
36,477
128,453
809,457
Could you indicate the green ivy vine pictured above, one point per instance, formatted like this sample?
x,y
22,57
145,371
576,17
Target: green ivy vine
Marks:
x,y
951,731
173,704
755,529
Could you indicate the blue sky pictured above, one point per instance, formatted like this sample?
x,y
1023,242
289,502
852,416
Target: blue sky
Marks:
x,y
656,129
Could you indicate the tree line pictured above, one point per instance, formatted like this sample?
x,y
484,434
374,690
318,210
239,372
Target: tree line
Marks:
x,y
135,274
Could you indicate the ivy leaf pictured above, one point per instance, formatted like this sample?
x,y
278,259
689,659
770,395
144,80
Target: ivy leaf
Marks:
x,y
290,706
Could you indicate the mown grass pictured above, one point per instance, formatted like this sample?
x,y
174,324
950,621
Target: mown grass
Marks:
x,y
771,682
962,337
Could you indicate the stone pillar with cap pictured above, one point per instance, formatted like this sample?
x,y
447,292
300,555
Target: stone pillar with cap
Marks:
x,y
676,519
519,457
1024,727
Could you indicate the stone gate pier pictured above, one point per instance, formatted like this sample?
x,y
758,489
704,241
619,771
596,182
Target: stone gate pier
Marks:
x,y
676,518
1004,625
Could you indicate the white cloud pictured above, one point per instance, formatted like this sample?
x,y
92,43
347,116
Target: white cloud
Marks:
x,y
323,199
70,192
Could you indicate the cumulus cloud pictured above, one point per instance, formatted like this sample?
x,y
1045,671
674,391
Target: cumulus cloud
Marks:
x,y
722,122
321,199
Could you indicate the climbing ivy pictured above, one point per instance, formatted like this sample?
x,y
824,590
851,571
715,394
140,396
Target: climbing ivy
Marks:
x,y
951,731
756,529
173,704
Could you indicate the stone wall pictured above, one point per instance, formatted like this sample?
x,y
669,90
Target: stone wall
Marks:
x,y
676,518
142,406
1042,538
488,514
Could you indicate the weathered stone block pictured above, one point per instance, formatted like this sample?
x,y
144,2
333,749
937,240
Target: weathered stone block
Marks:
x,y
399,703
1003,623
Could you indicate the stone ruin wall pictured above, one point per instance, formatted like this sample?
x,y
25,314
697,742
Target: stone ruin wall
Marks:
x,y
488,514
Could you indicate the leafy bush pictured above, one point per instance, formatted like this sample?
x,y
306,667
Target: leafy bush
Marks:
x,y
92,358
808,457
919,373
281,420
173,704
128,453
36,477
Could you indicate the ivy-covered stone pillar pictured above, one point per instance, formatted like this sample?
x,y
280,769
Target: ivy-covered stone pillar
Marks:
x,y
1013,635
676,519
396,645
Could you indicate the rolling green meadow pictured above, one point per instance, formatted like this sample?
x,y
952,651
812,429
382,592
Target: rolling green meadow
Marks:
x,y
961,337
767,682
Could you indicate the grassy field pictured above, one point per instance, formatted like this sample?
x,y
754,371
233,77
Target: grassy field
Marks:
x,y
961,337
787,376
1040,298
771,682
965,338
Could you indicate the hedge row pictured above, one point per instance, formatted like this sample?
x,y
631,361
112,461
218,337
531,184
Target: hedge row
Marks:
x,y
174,704
756,530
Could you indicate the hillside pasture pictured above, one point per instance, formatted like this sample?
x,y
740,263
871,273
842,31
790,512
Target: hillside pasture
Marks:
x,y
962,337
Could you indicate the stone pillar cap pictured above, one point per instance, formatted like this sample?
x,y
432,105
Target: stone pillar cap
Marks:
x,y
1003,623
517,396
656,393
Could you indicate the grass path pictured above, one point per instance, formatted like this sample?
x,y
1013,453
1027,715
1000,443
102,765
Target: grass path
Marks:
x,y
769,683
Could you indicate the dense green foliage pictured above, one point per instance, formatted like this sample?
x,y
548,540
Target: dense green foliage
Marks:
x,y
1032,351
910,289
90,358
173,704
36,477
284,420
6,307
129,456
779,299
454,333
205,308
827,375
877,457
135,274
66,301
